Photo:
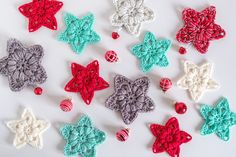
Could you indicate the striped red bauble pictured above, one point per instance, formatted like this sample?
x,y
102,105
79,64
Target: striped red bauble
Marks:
x,y
111,56
165,84
66,105
122,135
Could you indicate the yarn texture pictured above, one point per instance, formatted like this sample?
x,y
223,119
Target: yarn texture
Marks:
x,y
130,14
169,137
81,138
197,79
152,52
130,98
79,32
41,13
218,119
22,66
28,130
200,28
86,81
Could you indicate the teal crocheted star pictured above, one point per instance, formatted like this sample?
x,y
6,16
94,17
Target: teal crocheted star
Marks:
x,y
152,52
218,119
79,32
81,138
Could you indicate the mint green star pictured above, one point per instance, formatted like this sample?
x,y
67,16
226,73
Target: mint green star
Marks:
x,y
78,32
218,119
152,52
82,138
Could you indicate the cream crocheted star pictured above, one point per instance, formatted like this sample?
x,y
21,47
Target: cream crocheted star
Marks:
x,y
130,14
28,130
197,79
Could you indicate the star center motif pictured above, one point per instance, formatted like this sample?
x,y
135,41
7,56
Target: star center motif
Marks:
x,y
197,79
86,81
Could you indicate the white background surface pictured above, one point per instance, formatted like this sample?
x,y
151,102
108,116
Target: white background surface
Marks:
x,y
57,59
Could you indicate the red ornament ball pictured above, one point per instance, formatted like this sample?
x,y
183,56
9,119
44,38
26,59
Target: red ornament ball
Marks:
x,y
38,91
182,50
165,84
180,107
115,35
122,135
66,105
111,56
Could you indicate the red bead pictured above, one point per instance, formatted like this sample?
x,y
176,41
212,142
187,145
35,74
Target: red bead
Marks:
x,y
182,50
115,35
122,135
165,84
38,90
180,107
111,56
66,105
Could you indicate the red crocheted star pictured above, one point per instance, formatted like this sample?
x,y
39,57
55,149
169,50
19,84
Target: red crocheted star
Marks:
x,y
86,80
41,13
200,28
169,137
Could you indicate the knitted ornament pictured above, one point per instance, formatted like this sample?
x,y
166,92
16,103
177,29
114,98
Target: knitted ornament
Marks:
x,y
130,98
152,52
169,137
28,130
66,105
111,56
22,66
218,119
197,79
86,81
41,13
122,135
130,15
81,138
79,32
200,28
165,84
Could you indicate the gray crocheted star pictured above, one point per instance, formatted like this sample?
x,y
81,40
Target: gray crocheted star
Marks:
x,y
22,65
130,98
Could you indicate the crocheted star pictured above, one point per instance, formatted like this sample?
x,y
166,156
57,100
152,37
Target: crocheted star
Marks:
x,y
218,119
41,13
200,28
79,32
197,79
23,65
130,98
169,137
86,81
152,52
82,138
28,130
130,15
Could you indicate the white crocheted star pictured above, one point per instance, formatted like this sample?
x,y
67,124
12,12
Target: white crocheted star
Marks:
x,y
197,79
130,14
28,130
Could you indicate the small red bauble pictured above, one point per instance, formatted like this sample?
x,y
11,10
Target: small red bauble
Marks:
x,y
165,84
38,91
115,35
182,50
66,105
111,56
122,135
180,107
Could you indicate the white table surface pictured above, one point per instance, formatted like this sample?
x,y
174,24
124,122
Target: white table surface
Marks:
x,y
58,57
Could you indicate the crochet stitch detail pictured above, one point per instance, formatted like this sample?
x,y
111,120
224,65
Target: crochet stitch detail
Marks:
x,y
82,138
22,66
28,130
41,13
218,119
130,14
79,32
130,98
169,137
197,79
200,28
152,52
86,81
